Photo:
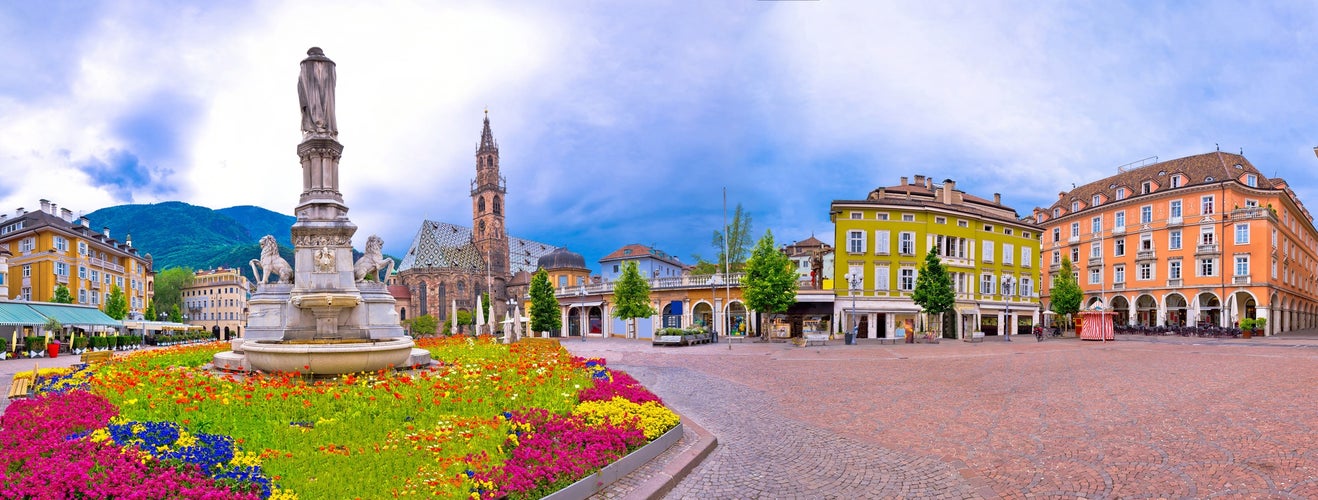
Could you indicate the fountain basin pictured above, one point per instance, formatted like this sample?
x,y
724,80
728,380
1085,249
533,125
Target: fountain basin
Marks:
x,y
333,357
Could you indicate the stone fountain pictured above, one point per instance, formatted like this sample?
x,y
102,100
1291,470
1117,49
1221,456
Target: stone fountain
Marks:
x,y
324,314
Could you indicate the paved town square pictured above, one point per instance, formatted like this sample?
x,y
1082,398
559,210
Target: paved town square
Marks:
x,y
1142,417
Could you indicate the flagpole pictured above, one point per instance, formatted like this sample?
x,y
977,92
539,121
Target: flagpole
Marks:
x,y
727,285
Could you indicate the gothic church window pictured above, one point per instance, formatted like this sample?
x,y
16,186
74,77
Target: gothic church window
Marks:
x,y
480,205
497,205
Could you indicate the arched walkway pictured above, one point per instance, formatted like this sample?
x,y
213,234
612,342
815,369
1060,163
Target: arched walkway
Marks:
x,y
1121,306
1176,308
1146,310
1209,309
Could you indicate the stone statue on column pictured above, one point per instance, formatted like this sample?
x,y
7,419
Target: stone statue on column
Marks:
x,y
315,91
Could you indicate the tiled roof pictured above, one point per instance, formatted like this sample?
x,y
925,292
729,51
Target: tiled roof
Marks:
x,y
400,292
636,250
1207,168
441,245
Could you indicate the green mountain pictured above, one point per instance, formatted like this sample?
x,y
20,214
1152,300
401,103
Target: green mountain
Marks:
x,y
177,234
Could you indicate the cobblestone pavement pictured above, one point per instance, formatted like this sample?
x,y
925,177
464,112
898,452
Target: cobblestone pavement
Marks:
x,y
1161,417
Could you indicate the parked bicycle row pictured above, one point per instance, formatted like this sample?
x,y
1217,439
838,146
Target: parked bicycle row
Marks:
x,y
1184,331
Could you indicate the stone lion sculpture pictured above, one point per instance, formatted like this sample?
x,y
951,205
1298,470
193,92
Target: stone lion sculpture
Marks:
x,y
373,261
270,262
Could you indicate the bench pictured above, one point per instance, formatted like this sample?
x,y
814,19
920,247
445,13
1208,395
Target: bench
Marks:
x,y
816,339
890,340
96,356
20,388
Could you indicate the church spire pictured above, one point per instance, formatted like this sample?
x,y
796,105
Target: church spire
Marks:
x,y
487,137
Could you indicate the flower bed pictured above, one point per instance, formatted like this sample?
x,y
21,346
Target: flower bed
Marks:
x,y
491,421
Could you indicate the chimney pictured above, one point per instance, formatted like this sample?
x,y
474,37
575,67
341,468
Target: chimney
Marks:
x,y
949,187
65,214
1061,194
20,212
997,198
883,192
929,182
54,209
128,240
919,180
903,180
87,223
105,230
45,206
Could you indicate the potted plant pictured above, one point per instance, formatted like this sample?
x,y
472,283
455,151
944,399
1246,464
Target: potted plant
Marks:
x,y
4,349
1260,325
1246,327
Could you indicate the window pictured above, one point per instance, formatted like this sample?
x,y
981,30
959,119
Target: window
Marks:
x,y
1006,231
82,248
908,217
961,223
1146,242
61,244
96,276
907,243
987,254
881,216
1075,254
615,268
26,294
1057,257
1121,193
855,242
82,272
1095,249
1057,212
1057,234
1119,247
906,279
1274,238
1075,206
1174,209
986,284
1144,271
1146,214
1119,274
1119,219
988,228
1176,181
1026,257
1007,250
1095,276
27,244
1146,187
1242,234
1242,265
1093,202
1027,287
1174,269
62,269
1075,229
562,281
881,243
1251,203
1096,225
940,220
1274,269
1174,239
82,296
1252,180
881,278
1208,266
1206,205
1207,236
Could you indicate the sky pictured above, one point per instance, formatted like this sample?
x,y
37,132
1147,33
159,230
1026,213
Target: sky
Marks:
x,y
624,122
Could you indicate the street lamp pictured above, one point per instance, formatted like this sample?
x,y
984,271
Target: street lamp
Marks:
x,y
854,281
713,283
1008,282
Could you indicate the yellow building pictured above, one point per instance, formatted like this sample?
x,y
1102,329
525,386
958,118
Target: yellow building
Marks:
x,y
51,247
217,301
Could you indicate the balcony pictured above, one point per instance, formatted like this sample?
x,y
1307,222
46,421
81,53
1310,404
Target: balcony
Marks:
x,y
1252,213
1095,261
1240,280
1207,249
1176,283
1073,239
1146,255
1174,221
1119,230
1055,267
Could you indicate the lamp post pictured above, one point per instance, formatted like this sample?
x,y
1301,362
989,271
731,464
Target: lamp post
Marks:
x,y
713,313
516,316
1008,282
854,281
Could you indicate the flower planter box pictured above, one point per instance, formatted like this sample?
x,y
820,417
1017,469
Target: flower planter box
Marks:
x,y
593,483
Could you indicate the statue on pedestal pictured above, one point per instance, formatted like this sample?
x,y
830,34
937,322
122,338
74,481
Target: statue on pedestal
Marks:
x,y
315,92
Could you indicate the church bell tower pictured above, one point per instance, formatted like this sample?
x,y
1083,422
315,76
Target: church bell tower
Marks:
x,y
488,191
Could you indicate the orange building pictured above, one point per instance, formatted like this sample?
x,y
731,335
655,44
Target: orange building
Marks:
x,y
1204,239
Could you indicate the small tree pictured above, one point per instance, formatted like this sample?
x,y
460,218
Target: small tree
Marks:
x,y
116,305
770,283
631,296
933,288
62,295
175,314
151,311
424,324
1066,293
485,308
545,315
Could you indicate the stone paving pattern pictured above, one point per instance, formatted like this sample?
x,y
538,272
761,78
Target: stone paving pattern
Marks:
x,y
1142,417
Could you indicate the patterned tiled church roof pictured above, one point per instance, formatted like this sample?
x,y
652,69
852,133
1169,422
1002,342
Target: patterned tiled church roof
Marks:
x,y
444,245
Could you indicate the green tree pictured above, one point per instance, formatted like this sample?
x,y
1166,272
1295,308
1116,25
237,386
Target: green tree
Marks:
x,y
545,315
1066,293
485,308
116,305
175,314
933,288
734,254
631,296
169,288
770,283
62,295
151,311
465,318
424,324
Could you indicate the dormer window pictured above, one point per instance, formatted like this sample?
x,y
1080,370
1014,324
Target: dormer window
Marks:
x,y
1146,187
1075,206
1093,202
1057,212
1176,181
1121,193
1252,180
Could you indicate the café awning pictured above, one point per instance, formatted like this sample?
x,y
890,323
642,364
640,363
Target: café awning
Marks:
x,y
71,315
19,314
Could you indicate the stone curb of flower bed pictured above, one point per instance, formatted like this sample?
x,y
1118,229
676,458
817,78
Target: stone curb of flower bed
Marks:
x,y
654,487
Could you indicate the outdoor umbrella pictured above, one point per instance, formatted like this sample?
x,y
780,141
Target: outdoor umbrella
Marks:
x,y
453,318
480,316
